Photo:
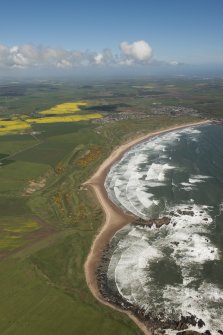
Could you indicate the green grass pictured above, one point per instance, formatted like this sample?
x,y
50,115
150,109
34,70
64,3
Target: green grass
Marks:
x,y
32,305
14,144
15,177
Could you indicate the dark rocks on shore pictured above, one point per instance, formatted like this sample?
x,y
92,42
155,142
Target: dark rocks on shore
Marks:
x,y
175,243
193,332
179,212
200,323
157,222
164,220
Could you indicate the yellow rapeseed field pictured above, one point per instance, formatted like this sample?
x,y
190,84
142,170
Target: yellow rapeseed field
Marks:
x,y
24,122
66,118
67,107
12,126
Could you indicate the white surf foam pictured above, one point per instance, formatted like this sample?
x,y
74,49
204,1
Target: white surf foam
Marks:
x,y
191,249
157,172
135,171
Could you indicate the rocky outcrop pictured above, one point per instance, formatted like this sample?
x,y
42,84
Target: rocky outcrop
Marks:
x,y
157,222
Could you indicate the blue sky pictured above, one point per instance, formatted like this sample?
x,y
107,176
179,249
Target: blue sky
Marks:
x,y
177,30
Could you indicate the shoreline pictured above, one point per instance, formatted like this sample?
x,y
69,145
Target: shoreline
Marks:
x,y
115,218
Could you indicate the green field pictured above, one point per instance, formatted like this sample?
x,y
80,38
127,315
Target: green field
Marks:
x,y
48,222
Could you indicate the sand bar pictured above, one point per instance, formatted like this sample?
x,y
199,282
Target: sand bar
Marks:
x,y
115,218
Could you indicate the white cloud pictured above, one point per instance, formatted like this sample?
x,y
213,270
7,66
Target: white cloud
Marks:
x,y
102,58
28,56
139,51
98,58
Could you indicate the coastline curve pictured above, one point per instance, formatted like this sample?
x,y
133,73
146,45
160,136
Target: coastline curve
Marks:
x,y
115,218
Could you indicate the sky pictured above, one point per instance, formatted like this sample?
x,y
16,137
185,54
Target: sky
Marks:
x,y
72,34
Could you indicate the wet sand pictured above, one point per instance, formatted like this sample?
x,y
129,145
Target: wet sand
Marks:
x,y
115,218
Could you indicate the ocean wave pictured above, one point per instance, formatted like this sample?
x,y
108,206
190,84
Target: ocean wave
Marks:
x,y
142,167
162,270
140,248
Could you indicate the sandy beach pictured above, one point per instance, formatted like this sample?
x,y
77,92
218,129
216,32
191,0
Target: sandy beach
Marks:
x,y
115,218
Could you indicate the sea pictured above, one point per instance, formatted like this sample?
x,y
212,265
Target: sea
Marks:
x,y
175,270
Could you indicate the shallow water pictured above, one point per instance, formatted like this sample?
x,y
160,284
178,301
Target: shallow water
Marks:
x,y
177,269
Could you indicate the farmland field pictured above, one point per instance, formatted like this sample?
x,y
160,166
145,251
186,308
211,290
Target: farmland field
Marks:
x,y
54,135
